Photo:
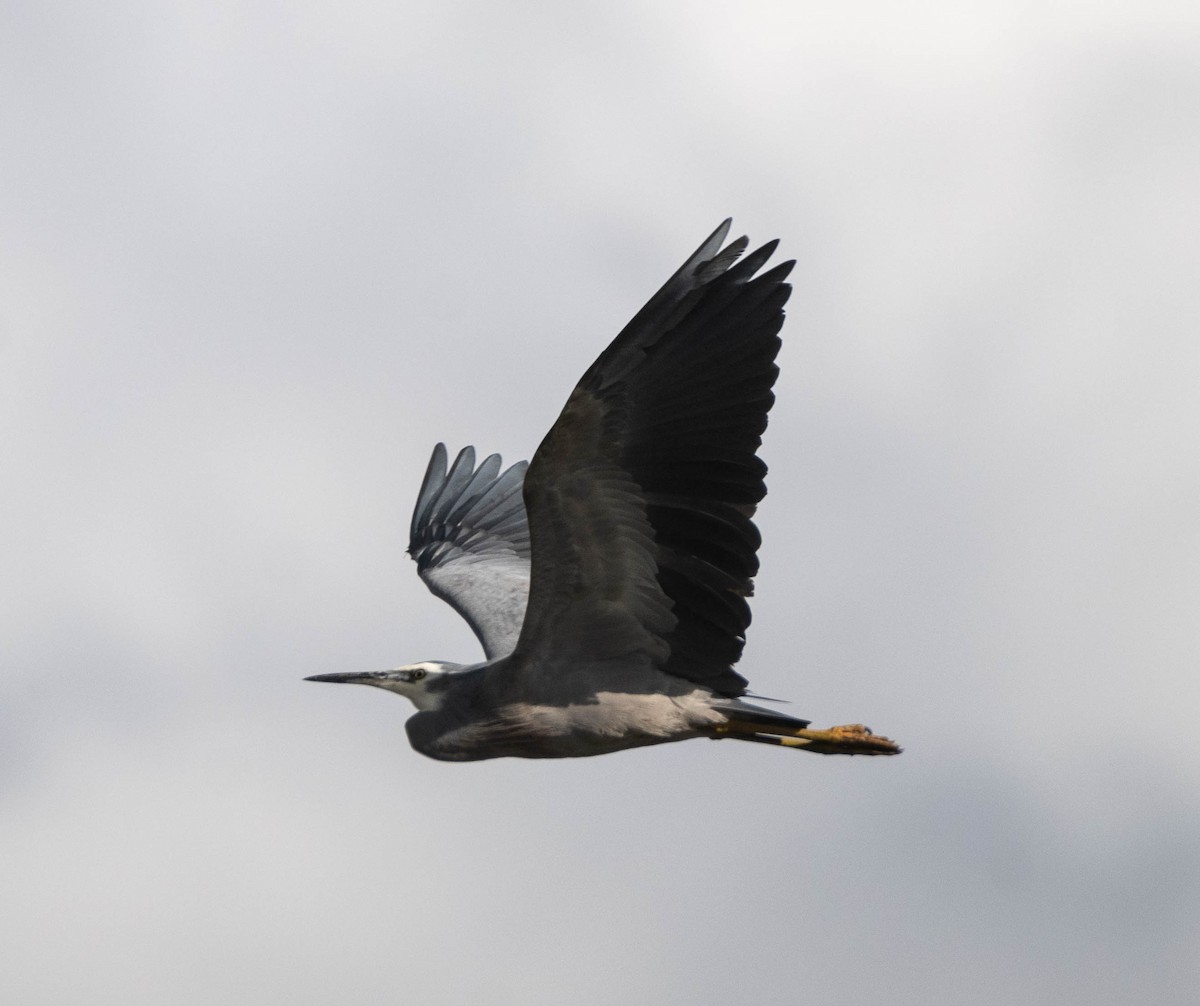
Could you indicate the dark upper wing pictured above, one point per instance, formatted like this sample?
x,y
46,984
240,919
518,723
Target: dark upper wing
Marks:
x,y
470,539
641,494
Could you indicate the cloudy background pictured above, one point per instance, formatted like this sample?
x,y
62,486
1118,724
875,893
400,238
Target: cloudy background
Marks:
x,y
256,258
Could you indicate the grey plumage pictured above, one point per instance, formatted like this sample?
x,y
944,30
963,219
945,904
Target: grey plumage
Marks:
x,y
470,539
607,580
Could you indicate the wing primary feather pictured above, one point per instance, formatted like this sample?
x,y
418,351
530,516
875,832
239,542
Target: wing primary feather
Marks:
x,y
431,486
470,539
642,492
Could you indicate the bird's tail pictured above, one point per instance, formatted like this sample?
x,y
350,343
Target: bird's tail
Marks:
x,y
745,722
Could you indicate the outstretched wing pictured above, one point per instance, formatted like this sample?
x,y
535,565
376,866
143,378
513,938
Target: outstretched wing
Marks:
x,y
470,539
640,497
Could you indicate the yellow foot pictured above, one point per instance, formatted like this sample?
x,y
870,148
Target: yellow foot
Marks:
x,y
853,739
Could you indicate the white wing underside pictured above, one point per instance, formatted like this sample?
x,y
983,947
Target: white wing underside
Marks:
x,y
470,539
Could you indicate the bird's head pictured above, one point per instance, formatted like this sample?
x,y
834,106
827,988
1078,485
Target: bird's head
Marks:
x,y
423,684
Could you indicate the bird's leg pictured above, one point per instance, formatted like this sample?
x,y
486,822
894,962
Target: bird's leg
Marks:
x,y
853,739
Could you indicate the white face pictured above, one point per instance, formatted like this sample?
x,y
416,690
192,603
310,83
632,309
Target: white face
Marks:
x,y
412,681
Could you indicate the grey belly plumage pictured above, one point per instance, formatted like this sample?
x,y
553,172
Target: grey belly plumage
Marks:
x,y
611,722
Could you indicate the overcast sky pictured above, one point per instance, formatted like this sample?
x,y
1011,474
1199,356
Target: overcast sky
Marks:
x,y
257,258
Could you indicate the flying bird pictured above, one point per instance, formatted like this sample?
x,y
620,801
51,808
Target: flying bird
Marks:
x,y
607,579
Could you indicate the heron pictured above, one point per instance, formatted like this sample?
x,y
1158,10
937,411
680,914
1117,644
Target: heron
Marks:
x,y
607,579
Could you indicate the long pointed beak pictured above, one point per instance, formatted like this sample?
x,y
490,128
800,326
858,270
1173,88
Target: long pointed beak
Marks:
x,y
353,678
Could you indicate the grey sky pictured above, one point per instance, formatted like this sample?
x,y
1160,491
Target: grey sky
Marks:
x,y
255,259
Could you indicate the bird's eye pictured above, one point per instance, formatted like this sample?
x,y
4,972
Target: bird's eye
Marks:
x,y
416,675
